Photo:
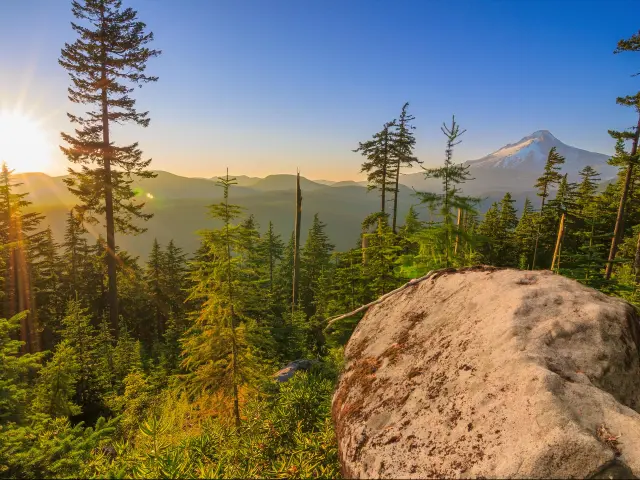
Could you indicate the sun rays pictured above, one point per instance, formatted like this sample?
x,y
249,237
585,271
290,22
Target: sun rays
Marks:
x,y
24,143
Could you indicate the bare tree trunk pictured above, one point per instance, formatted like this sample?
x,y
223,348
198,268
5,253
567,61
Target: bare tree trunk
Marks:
x,y
365,246
558,242
459,222
617,232
296,245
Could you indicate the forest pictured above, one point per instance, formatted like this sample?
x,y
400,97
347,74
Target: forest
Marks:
x,y
121,367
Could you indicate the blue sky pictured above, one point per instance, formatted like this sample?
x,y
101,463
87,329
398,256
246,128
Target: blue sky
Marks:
x,y
265,86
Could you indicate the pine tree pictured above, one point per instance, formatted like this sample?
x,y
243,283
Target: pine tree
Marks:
x,y
525,234
489,230
79,333
17,229
272,249
75,251
545,183
450,199
383,257
57,384
175,277
508,221
45,267
586,190
155,281
626,161
105,63
316,256
15,370
218,352
403,143
379,165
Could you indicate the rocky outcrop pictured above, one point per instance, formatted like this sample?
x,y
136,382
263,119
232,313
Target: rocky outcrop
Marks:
x,y
289,371
492,373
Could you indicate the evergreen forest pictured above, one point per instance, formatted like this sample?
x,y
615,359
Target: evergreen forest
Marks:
x,y
114,366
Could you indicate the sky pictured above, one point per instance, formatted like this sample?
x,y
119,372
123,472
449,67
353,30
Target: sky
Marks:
x,y
268,86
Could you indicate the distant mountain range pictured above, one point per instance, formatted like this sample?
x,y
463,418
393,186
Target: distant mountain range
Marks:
x,y
179,203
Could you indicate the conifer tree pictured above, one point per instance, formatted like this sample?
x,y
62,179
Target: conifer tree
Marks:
x,y
525,234
272,249
57,384
105,63
17,229
489,230
383,256
379,164
545,183
154,277
295,283
15,370
316,256
175,277
403,143
47,285
75,251
450,199
79,333
626,161
217,350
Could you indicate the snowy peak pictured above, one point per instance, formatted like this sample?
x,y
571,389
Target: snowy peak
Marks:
x,y
531,152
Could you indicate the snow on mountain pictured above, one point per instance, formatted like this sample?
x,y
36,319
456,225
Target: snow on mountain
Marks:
x,y
530,154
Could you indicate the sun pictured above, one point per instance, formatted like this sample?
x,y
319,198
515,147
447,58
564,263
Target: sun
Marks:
x,y
24,144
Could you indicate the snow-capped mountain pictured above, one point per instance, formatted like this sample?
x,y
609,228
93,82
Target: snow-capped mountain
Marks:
x,y
530,155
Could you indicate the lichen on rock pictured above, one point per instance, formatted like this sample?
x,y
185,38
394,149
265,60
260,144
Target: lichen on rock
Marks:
x,y
492,373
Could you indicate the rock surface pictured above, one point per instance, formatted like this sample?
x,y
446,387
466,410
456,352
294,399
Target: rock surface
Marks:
x,y
289,371
492,373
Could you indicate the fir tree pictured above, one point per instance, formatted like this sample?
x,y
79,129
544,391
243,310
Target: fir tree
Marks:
x,y
175,276
75,251
272,249
47,284
403,143
17,229
525,234
379,163
15,370
105,63
450,199
218,352
316,255
545,183
57,384
154,277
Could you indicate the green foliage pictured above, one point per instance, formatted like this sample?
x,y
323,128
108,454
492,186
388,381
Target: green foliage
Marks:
x,y
56,385
285,434
51,447
15,370
449,201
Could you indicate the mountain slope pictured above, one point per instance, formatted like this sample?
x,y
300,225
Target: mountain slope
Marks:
x,y
530,154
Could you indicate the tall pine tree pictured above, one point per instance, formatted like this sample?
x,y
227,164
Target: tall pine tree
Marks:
x,y
105,63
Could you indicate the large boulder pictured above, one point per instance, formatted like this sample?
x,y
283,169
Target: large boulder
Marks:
x,y
492,373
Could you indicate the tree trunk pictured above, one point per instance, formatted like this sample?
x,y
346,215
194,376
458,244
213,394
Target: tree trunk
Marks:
x,y
395,197
296,246
108,197
636,263
365,246
270,258
556,251
617,232
459,222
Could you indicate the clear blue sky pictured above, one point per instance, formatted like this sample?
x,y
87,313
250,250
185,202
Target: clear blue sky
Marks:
x,y
265,86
